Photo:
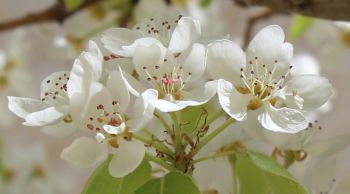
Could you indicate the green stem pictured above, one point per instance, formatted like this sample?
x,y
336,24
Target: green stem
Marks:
x,y
156,144
212,135
160,162
234,179
214,156
163,122
177,130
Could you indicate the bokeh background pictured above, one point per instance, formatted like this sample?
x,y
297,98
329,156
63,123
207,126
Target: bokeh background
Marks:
x,y
49,46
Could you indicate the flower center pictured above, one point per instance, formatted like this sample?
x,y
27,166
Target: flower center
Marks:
x,y
55,90
113,119
261,81
171,83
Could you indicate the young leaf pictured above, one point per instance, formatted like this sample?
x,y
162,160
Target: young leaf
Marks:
x,y
261,174
102,182
71,5
299,25
172,183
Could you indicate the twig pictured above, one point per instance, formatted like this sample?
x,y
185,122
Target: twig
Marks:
x,y
56,13
251,22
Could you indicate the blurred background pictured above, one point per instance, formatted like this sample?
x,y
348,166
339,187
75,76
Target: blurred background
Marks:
x,y
30,51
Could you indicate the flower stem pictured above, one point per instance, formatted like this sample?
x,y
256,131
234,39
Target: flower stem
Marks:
x,y
212,135
160,162
177,130
163,122
156,144
214,156
210,119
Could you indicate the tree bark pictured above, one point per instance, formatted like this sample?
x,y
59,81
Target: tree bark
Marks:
x,y
327,9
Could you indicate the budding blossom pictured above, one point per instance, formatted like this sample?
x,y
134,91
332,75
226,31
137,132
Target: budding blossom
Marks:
x,y
257,81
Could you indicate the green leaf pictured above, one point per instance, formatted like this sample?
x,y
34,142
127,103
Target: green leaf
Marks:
x,y
261,174
71,5
172,183
300,24
102,182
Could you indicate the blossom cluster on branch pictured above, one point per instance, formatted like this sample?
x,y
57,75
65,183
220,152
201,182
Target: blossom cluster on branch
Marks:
x,y
128,91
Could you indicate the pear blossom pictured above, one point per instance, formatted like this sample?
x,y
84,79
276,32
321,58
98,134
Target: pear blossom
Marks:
x,y
52,111
257,81
166,59
103,107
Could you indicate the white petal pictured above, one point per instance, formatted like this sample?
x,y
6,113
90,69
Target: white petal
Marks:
x,y
145,42
94,49
115,130
118,90
114,39
47,116
127,158
61,129
53,83
327,147
187,31
268,45
24,106
234,103
224,60
149,60
195,97
133,85
85,152
143,110
193,62
283,120
320,174
314,90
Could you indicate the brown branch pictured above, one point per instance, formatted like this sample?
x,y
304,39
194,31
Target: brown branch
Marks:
x,y
56,13
328,9
251,21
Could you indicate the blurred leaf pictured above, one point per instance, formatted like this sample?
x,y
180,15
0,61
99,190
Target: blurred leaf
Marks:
x,y
261,174
300,24
102,182
71,5
172,183
205,3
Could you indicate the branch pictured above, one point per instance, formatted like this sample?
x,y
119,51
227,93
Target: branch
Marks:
x,y
328,9
251,23
56,13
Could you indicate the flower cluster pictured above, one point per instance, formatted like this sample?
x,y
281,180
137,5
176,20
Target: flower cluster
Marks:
x,y
169,70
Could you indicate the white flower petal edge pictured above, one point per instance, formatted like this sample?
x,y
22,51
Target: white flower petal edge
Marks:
x,y
314,90
85,152
234,103
224,60
195,97
284,120
22,107
114,39
126,158
186,32
46,116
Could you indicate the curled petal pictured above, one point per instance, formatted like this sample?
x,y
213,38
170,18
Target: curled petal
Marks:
x,y
283,120
313,89
234,103
187,31
47,116
22,107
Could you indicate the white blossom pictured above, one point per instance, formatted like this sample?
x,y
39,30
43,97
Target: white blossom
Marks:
x,y
257,81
